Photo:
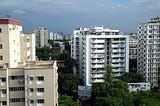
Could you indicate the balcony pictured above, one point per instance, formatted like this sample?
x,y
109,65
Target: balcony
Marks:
x,y
117,55
118,50
97,56
118,65
97,46
98,61
97,80
117,60
3,83
98,51
40,104
118,70
3,93
118,41
114,46
98,41
117,75
98,66
40,93
97,75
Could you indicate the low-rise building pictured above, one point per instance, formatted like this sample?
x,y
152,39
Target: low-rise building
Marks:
x,y
141,86
29,84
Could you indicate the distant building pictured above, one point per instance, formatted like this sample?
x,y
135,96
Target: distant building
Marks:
x,y
41,37
148,56
141,86
56,36
133,41
97,47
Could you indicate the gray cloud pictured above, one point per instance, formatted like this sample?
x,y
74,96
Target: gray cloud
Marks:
x,y
57,14
18,11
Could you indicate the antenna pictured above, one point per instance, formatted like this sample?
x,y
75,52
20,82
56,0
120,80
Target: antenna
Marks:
x,y
8,16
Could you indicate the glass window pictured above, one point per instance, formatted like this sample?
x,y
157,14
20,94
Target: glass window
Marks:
x,y
1,57
40,78
0,46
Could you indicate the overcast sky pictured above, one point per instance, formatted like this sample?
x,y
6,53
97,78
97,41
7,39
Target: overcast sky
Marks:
x,y
66,15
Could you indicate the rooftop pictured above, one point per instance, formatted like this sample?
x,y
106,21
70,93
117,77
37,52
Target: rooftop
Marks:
x,y
10,21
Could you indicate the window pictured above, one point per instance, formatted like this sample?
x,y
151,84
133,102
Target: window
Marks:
x,y
17,100
16,89
40,89
4,103
31,90
40,78
1,57
40,101
27,39
0,30
0,46
17,77
3,79
31,101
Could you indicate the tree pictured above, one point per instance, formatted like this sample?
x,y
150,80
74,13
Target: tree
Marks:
x,y
132,77
111,93
65,100
146,98
43,53
68,61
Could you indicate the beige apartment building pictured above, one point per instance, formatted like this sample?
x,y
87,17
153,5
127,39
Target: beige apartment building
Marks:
x,y
14,45
29,84
41,34
24,81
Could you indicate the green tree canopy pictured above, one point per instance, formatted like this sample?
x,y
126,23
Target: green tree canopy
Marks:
x,y
65,100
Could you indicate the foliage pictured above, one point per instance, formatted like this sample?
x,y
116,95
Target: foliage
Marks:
x,y
132,77
111,93
68,83
43,53
68,61
65,100
108,75
147,98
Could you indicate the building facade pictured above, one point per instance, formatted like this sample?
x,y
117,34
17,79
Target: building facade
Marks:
x,y
133,41
14,45
41,37
24,81
98,47
148,58
29,84
140,86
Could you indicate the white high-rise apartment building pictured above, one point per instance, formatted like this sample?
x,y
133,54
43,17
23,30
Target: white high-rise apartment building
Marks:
x,y
97,47
14,45
41,37
148,60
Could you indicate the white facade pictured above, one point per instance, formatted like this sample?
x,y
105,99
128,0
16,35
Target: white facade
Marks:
x,y
97,47
41,37
13,43
141,86
148,60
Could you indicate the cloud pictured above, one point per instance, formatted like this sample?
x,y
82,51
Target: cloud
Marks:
x,y
114,13
19,11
